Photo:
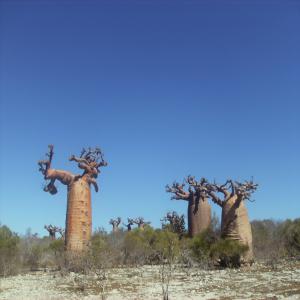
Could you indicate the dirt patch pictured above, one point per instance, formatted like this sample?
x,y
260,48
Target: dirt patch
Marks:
x,y
256,282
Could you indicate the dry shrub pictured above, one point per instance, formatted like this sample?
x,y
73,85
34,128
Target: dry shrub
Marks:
x,y
9,252
229,253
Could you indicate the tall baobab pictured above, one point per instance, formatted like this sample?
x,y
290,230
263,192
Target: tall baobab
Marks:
x,y
52,231
199,210
129,224
235,223
115,224
141,222
79,216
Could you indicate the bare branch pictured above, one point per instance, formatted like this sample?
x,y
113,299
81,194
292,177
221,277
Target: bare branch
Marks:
x,y
141,222
176,222
178,191
89,162
64,177
215,198
245,190
242,190
45,164
61,231
211,192
201,186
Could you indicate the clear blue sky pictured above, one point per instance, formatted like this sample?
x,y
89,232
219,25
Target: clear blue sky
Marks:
x,y
165,88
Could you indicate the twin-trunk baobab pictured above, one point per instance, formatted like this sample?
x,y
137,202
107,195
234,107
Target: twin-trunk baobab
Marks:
x,y
79,216
235,223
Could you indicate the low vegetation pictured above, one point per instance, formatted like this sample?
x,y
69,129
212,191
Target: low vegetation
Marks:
x,y
272,241
9,252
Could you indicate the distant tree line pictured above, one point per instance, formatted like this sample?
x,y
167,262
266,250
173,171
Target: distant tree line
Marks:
x,y
272,240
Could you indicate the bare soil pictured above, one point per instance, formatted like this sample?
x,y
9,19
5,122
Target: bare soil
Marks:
x,y
259,281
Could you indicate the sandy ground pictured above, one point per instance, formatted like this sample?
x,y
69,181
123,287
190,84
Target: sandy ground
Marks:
x,y
256,282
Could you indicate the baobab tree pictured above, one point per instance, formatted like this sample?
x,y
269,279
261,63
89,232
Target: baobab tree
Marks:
x,y
61,231
52,231
235,223
141,222
79,216
199,210
115,224
175,222
130,223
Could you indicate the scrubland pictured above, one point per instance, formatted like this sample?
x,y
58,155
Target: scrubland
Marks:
x,y
153,264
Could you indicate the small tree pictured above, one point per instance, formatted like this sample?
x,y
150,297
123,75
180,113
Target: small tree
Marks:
x,y
174,223
167,249
115,224
129,224
141,223
52,231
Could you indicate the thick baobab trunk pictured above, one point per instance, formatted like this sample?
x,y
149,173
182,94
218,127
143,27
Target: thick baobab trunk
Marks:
x,y
199,216
79,218
236,226
79,212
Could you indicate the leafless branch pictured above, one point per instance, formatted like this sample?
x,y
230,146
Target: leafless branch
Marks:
x,y
178,191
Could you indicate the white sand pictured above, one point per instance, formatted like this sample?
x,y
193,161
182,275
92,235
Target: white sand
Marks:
x,y
256,282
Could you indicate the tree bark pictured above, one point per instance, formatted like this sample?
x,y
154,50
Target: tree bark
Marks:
x,y
199,216
236,226
79,217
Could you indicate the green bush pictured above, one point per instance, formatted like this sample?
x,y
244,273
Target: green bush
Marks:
x,y
9,252
272,241
228,253
98,241
201,244
200,247
57,247
138,245
166,245
101,251
150,246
